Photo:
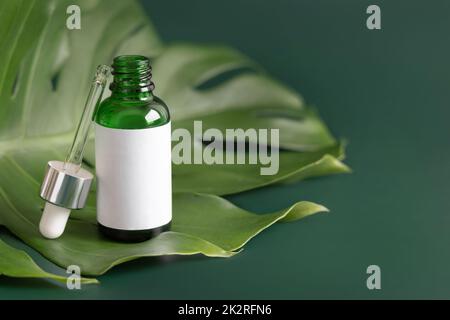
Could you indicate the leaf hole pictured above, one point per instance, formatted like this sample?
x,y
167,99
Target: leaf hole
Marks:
x,y
54,80
16,83
223,77
280,113
15,86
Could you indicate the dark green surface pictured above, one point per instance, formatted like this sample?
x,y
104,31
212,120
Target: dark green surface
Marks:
x,y
388,93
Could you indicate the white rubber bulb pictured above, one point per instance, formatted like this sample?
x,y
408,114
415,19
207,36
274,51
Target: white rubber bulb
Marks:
x,y
53,221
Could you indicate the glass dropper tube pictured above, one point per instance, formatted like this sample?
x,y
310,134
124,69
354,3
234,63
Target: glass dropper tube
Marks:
x,y
63,194
75,155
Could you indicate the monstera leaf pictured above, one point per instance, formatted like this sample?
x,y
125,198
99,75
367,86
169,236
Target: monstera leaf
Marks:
x,y
44,78
17,263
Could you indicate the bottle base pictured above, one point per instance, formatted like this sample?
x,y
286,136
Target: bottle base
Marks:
x,y
132,235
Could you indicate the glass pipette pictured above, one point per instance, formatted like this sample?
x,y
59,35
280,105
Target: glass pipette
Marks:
x,y
66,184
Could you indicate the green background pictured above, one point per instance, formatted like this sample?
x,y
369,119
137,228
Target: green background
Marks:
x,y
385,91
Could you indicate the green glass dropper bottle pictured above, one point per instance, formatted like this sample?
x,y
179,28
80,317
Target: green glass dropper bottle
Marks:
x,y
133,160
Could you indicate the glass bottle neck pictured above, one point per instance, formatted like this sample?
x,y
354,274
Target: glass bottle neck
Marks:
x,y
132,78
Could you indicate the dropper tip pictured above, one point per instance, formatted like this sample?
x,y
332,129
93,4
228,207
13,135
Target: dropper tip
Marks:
x,y
102,74
53,221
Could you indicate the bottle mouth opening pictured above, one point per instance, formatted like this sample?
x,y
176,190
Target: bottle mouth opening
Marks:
x,y
131,59
131,64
